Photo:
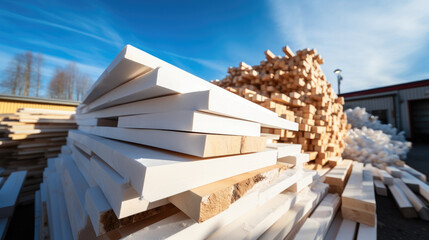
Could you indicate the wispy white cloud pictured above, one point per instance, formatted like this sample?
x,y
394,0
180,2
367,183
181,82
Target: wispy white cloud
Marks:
x,y
61,26
373,42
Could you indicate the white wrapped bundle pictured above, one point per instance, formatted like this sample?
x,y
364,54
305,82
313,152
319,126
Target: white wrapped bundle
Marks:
x,y
374,146
358,118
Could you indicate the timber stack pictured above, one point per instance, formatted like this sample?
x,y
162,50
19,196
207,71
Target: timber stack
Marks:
x,y
295,87
27,139
162,154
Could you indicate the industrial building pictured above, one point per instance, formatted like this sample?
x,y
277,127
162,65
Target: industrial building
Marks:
x,y
405,106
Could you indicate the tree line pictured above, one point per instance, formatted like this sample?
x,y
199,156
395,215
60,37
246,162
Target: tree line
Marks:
x,y
23,77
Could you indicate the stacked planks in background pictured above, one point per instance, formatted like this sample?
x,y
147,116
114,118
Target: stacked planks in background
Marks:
x,y
28,138
295,87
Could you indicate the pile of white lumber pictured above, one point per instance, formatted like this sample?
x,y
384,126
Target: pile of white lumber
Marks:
x,y
295,87
160,153
27,139
407,186
10,189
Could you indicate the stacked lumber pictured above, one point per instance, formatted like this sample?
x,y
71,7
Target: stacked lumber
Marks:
x,y
160,153
294,87
407,188
28,138
10,189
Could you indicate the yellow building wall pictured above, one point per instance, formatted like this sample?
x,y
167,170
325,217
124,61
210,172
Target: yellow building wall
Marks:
x,y
10,106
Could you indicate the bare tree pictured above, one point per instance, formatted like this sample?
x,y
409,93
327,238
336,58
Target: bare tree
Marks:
x,y
38,62
28,72
71,76
12,83
82,84
58,85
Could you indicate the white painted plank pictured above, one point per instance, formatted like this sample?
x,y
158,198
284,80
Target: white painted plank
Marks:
x,y
309,231
386,177
96,205
366,232
402,201
74,188
132,62
256,222
286,149
60,221
123,199
414,172
418,205
423,188
335,227
395,172
9,193
306,201
196,144
411,181
380,188
191,121
347,230
323,214
305,178
147,167
207,101
82,162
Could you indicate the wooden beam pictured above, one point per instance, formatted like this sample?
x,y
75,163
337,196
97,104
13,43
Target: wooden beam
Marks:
x,y
385,177
418,205
380,188
358,199
338,176
207,201
395,172
402,201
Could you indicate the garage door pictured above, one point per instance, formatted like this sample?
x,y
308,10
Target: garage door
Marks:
x,y
419,111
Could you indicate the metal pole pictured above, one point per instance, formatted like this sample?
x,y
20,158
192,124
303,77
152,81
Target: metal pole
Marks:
x,y
339,82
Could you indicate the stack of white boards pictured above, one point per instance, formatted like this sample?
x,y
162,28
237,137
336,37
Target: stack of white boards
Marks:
x,y
10,189
160,153
28,138
408,188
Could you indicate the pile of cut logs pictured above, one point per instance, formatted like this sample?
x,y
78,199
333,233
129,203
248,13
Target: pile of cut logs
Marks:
x,y
27,139
295,87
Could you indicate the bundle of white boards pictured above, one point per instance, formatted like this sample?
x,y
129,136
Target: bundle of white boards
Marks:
x,y
161,153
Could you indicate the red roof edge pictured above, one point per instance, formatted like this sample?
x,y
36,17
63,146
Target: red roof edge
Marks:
x,y
401,86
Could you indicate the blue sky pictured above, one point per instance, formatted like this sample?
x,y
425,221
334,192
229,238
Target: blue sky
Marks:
x,y
375,43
